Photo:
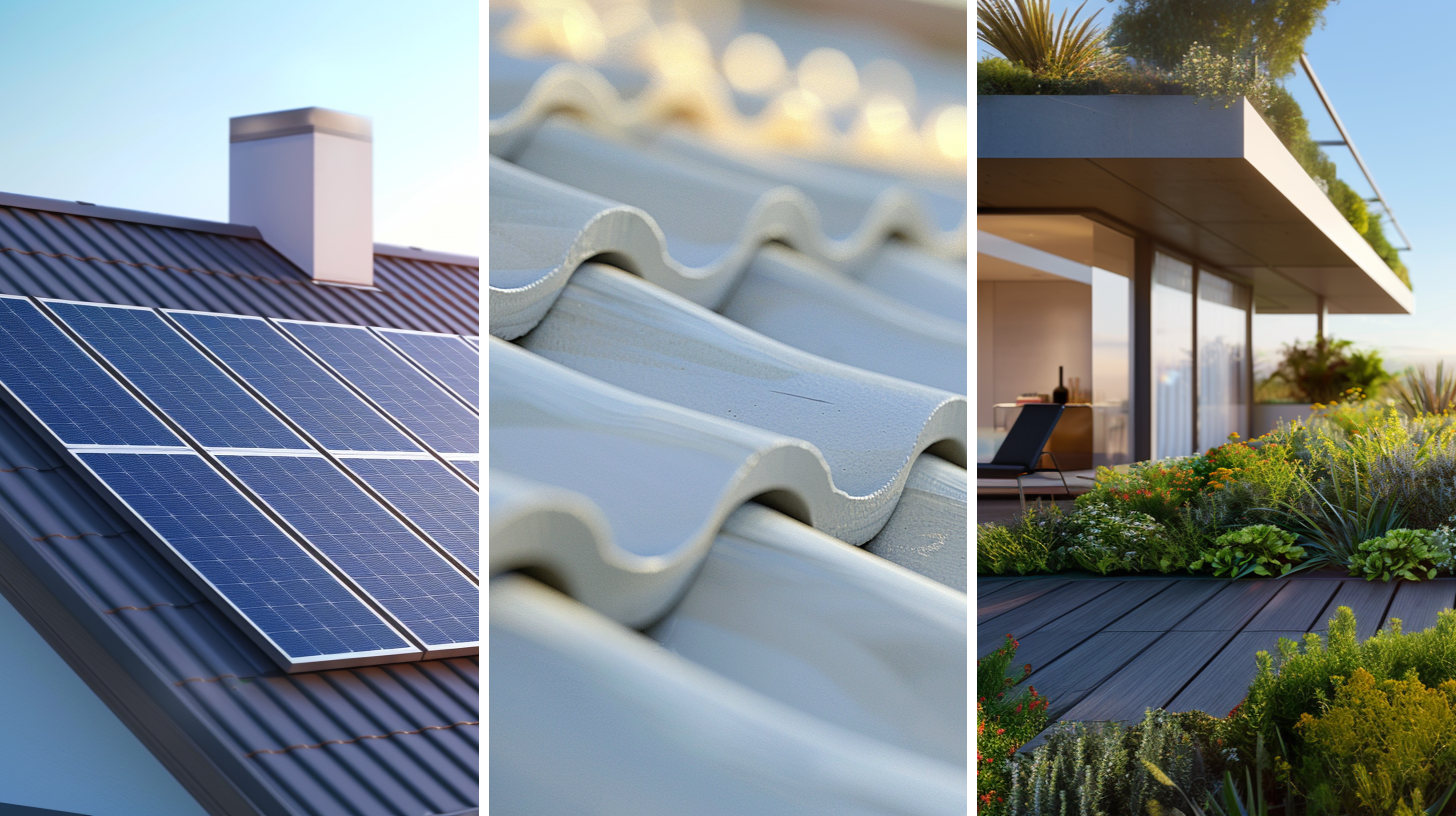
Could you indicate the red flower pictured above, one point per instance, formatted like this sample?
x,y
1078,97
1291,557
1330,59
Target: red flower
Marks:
x,y
1028,668
1000,731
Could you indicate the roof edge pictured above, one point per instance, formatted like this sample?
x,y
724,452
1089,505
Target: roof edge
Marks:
x,y
417,254
57,205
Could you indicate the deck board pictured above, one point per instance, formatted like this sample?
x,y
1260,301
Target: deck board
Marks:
x,y
1367,599
1027,618
1063,634
1109,648
1149,680
1416,603
1022,593
1225,681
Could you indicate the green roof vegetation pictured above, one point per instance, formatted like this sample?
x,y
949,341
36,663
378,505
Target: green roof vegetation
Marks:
x,y
1213,50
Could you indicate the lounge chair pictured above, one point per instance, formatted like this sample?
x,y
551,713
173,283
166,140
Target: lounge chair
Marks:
x,y
1020,454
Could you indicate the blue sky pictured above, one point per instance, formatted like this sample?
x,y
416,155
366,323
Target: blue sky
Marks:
x,y
1385,67
126,104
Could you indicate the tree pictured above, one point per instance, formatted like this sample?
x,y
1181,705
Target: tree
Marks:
x,y
1160,32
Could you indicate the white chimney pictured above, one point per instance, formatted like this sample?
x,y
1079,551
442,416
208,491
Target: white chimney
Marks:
x,y
305,179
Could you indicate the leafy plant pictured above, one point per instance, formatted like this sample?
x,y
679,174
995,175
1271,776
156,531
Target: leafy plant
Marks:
x,y
1002,724
1106,540
1162,31
1380,745
1026,545
1327,369
1026,34
1400,554
1224,78
1260,549
1337,517
1419,392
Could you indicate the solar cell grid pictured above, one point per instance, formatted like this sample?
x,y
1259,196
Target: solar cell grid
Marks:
x,y
470,468
266,576
294,383
434,498
378,553
445,356
59,382
187,386
388,379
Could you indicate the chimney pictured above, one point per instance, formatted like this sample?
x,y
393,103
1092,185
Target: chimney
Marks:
x,y
304,178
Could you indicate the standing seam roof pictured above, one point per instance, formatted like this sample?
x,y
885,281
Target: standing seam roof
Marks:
x,y
103,260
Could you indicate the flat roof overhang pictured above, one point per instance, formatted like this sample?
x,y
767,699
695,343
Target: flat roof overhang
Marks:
x,y
1213,183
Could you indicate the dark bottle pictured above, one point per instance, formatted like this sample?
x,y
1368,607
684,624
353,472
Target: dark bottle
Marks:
x,y
1059,396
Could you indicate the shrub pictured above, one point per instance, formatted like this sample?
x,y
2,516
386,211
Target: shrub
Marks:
x,y
1106,540
1401,553
1301,680
1379,745
1335,516
1027,545
1261,549
1327,369
1102,768
1206,74
1002,724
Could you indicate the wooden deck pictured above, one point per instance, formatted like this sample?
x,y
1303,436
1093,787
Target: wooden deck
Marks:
x,y
1108,648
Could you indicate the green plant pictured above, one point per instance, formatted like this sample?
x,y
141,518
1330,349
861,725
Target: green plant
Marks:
x,y
1337,516
1303,678
1224,78
1026,34
1260,549
1380,745
1419,392
1027,545
1002,724
1400,554
1162,31
1327,369
1103,768
1106,540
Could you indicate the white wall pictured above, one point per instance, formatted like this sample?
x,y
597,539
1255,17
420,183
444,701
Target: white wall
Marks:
x,y
1024,330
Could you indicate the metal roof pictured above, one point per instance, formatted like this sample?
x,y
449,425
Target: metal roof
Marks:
x,y
100,255
239,734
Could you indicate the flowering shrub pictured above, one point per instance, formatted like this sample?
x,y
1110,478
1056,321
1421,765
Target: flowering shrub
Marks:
x,y
1002,724
1104,540
1261,549
1402,553
1356,762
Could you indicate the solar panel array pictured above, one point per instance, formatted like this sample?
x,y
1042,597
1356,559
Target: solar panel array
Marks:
x,y
381,374
448,358
327,528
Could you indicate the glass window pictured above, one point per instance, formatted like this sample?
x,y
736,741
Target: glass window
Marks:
x,y
1223,360
1111,366
1172,352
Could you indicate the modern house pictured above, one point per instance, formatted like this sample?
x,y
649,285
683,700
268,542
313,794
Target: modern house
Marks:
x,y
136,679
1132,240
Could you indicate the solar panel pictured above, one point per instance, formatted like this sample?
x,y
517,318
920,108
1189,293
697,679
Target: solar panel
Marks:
x,y
473,341
188,387
437,500
452,361
398,387
65,389
294,383
436,602
470,467
252,569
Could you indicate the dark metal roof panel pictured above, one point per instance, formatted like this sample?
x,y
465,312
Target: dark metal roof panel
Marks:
x,y
400,739
104,260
